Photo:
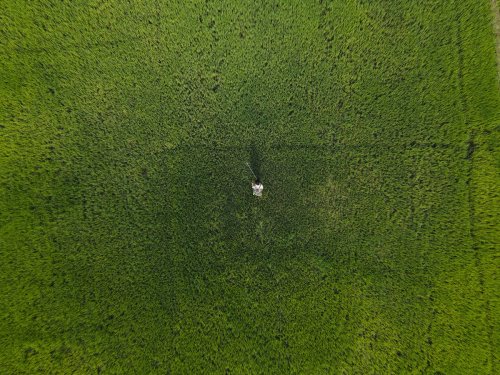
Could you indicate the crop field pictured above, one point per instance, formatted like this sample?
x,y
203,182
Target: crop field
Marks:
x,y
130,241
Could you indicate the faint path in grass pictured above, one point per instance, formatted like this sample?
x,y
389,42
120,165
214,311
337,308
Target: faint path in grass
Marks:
x,y
325,147
491,322
496,27
460,65
474,144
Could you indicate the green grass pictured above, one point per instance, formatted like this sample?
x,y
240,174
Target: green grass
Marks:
x,y
129,238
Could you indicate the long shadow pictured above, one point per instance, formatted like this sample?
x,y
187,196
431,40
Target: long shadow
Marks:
x,y
255,161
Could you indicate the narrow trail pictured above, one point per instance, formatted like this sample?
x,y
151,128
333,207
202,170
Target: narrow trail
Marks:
x,y
496,27
472,145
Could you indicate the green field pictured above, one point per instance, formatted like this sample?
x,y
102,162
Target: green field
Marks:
x,y
130,241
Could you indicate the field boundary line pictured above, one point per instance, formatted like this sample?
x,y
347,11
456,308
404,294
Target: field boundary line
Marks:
x,y
471,148
496,29
327,147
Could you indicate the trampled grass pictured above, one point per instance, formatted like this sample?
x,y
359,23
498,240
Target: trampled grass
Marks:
x,y
130,241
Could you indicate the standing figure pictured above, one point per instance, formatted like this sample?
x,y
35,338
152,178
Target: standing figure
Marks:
x,y
257,188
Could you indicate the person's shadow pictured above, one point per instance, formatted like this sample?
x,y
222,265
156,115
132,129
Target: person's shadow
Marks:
x,y
255,161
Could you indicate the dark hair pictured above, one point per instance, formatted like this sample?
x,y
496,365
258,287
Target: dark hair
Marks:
x,y
257,181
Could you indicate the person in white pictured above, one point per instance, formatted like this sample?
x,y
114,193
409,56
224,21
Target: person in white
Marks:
x,y
257,188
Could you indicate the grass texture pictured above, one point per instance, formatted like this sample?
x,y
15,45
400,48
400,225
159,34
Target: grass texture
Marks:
x,y
130,241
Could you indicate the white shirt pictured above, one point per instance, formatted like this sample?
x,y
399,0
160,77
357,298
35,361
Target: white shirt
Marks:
x,y
257,189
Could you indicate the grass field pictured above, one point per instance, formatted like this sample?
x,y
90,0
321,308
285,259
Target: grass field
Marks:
x,y
130,241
